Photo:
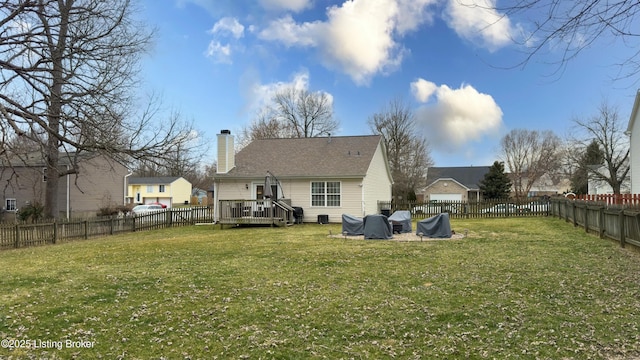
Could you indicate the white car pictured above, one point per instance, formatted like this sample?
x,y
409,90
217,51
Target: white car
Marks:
x,y
535,206
145,209
501,209
434,209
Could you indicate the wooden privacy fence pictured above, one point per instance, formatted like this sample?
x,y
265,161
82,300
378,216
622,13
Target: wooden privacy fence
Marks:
x,y
617,222
18,235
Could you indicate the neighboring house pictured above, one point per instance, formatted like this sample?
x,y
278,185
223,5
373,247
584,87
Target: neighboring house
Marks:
x,y
633,130
200,196
322,175
167,190
463,184
550,186
100,182
597,187
454,183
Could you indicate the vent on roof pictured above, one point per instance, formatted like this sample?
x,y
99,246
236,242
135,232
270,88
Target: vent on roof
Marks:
x,y
354,153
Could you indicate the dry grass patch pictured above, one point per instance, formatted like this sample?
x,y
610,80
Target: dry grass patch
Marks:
x,y
514,288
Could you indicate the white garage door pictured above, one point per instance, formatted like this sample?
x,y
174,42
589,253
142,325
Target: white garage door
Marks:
x,y
445,197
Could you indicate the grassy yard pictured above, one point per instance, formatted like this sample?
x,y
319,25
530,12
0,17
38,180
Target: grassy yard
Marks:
x,y
523,288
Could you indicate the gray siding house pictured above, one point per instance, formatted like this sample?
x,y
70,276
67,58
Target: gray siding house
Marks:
x,y
99,182
322,175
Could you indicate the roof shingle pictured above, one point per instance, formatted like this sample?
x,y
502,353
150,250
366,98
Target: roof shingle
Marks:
x,y
339,156
469,176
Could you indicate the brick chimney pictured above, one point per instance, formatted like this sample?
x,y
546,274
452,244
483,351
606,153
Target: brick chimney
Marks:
x,y
226,152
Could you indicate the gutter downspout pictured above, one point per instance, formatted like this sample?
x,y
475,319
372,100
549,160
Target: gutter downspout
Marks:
x,y
124,187
68,195
216,186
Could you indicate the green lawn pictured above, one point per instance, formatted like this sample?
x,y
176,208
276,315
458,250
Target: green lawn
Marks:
x,y
523,288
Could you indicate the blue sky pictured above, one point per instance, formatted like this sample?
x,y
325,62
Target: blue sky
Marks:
x,y
218,62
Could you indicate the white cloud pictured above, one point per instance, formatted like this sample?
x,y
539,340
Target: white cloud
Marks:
x,y
458,116
290,33
478,21
259,95
286,5
423,89
359,37
219,53
228,25
225,27
412,14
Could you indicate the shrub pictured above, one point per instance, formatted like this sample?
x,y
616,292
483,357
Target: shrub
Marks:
x,y
111,210
32,212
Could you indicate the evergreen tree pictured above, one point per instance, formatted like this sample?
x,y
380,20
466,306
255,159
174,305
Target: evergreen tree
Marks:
x,y
496,184
593,155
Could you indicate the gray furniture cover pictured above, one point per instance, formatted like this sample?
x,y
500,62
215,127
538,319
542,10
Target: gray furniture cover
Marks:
x,y
435,227
352,225
377,227
402,217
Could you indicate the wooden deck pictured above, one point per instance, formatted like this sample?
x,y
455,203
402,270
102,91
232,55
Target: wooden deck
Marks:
x,y
255,212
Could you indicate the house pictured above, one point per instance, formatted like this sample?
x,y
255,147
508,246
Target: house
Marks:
x,y
596,186
100,182
633,130
549,185
199,196
166,190
454,183
321,177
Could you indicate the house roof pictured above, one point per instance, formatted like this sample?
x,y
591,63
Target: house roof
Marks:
x,y
152,180
468,176
36,159
339,156
634,113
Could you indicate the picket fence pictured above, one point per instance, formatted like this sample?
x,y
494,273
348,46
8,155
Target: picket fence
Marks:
x,y
17,235
627,200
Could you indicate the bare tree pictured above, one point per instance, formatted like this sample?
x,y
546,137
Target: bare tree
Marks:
x,y
293,113
408,154
67,74
529,155
606,130
569,27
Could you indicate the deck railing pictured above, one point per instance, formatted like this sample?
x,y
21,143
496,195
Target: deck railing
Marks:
x,y
254,212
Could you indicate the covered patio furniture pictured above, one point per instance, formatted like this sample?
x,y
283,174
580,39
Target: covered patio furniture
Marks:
x,y
403,218
437,226
377,227
352,225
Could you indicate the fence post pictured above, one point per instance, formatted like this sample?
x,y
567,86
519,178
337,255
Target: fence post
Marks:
x,y
86,229
55,231
586,218
601,221
17,231
111,225
622,234
573,214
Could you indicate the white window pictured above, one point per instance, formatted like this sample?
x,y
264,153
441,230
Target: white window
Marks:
x,y
44,174
149,188
10,205
325,193
160,188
